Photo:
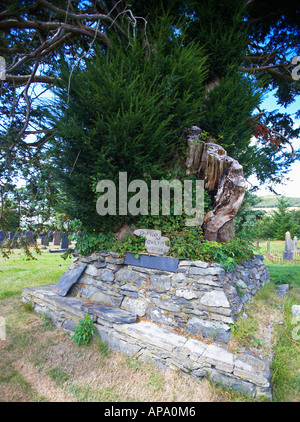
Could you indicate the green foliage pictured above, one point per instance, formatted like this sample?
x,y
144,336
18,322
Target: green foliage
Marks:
x,y
130,243
84,331
90,242
246,220
125,113
282,220
227,116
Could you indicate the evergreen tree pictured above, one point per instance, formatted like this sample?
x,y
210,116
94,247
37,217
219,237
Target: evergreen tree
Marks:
x,y
125,112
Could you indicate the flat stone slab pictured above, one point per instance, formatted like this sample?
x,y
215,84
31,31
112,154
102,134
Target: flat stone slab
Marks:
x,y
110,313
46,294
163,263
68,279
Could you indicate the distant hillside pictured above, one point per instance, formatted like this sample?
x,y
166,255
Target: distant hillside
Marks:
x,y
270,201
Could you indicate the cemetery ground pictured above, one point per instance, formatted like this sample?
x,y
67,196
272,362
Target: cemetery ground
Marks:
x,y
39,362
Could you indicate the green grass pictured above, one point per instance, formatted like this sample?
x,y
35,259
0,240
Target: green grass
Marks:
x,y
16,272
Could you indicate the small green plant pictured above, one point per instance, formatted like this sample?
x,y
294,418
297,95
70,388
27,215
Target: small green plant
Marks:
x,y
103,348
48,323
58,375
84,331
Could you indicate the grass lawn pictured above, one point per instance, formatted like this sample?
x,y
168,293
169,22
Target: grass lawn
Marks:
x,y
41,363
17,272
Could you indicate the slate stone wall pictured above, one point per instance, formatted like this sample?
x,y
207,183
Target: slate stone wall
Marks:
x,y
199,298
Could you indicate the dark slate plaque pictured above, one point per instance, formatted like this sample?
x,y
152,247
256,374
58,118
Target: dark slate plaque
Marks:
x,y
164,263
68,279
110,313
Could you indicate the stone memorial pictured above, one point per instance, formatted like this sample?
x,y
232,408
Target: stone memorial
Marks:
x,y
56,238
64,242
295,249
45,241
288,249
2,236
155,243
29,234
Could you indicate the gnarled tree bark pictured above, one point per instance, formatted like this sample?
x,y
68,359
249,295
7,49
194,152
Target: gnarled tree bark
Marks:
x,y
223,176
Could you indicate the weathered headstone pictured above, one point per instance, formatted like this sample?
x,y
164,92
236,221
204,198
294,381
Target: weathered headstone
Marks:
x,y
155,242
288,249
50,235
295,244
2,236
56,238
29,234
45,241
64,244
268,245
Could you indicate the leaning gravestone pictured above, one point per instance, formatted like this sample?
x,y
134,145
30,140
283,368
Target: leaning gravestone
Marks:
x,y
155,242
288,249
56,239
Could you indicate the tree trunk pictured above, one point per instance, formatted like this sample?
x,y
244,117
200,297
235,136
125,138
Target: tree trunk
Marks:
x,y
223,176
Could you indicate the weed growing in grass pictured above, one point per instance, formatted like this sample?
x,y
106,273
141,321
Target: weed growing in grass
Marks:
x,y
84,331
84,393
58,375
28,307
133,363
48,323
286,362
243,330
103,348
156,380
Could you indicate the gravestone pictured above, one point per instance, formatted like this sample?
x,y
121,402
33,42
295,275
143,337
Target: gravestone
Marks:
x,y
29,234
155,242
2,236
295,244
288,249
56,239
50,235
64,242
45,241
268,245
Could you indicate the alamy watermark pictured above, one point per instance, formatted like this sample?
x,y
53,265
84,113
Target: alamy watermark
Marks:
x,y
295,74
186,198
2,69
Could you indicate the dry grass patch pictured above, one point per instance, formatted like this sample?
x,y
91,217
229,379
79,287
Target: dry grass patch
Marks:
x,y
42,363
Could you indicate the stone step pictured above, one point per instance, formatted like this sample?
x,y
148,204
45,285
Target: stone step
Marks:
x,y
46,294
